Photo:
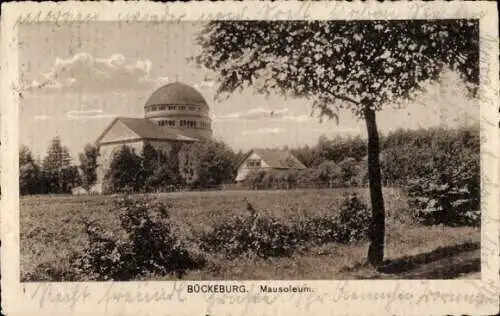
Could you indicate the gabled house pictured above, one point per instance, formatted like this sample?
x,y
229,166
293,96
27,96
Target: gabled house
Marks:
x,y
267,159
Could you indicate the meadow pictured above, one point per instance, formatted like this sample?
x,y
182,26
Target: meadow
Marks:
x,y
52,233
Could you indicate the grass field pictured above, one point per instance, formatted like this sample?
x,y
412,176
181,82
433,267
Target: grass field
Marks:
x,y
51,232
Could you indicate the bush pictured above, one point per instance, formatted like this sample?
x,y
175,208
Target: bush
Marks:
x,y
354,221
250,234
266,237
144,244
346,225
441,203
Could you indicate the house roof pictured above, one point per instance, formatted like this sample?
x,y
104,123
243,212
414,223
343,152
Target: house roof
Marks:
x,y
276,158
148,130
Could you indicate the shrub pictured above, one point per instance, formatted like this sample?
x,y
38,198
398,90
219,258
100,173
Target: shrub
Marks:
x,y
266,237
441,203
318,230
354,220
250,233
444,182
144,244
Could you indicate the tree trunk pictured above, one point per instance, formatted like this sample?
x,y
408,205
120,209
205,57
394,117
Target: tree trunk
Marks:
x,y
377,229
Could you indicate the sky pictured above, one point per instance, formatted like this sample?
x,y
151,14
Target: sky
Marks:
x,y
77,77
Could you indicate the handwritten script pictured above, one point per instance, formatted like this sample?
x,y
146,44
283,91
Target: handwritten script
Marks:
x,y
115,294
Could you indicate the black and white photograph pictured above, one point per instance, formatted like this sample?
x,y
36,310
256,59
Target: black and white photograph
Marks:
x,y
246,149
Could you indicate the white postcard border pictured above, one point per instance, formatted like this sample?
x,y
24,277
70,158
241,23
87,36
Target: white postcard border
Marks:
x,y
415,297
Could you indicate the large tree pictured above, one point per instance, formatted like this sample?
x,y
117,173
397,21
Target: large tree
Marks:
x,y
29,172
125,171
160,167
58,156
361,66
59,175
88,165
206,164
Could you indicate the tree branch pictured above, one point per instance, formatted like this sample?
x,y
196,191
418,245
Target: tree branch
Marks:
x,y
341,97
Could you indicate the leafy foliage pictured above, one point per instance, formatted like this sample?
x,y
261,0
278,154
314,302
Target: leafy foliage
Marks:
x,y
436,202
205,164
58,175
266,236
445,187
407,155
333,149
262,236
54,175
354,220
88,165
451,156
29,172
125,171
338,60
57,157
443,204
145,244
160,168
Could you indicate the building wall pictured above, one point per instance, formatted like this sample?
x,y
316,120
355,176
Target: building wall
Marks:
x,y
244,169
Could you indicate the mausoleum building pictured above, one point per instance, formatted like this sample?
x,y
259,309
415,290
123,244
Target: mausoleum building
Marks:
x,y
174,113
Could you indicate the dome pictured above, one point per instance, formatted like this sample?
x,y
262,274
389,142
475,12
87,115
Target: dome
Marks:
x,y
176,93
181,107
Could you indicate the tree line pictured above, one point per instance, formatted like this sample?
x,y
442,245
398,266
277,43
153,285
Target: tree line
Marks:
x,y
195,165
56,174
438,155
445,155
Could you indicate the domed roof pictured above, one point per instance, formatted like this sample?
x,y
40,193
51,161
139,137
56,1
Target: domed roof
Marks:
x,y
176,93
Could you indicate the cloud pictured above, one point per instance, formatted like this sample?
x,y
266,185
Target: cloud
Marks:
x,y
40,118
337,129
262,113
86,73
298,118
254,114
205,84
265,130
88,114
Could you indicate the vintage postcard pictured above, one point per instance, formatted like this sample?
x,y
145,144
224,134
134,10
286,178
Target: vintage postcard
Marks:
x,y
257,158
